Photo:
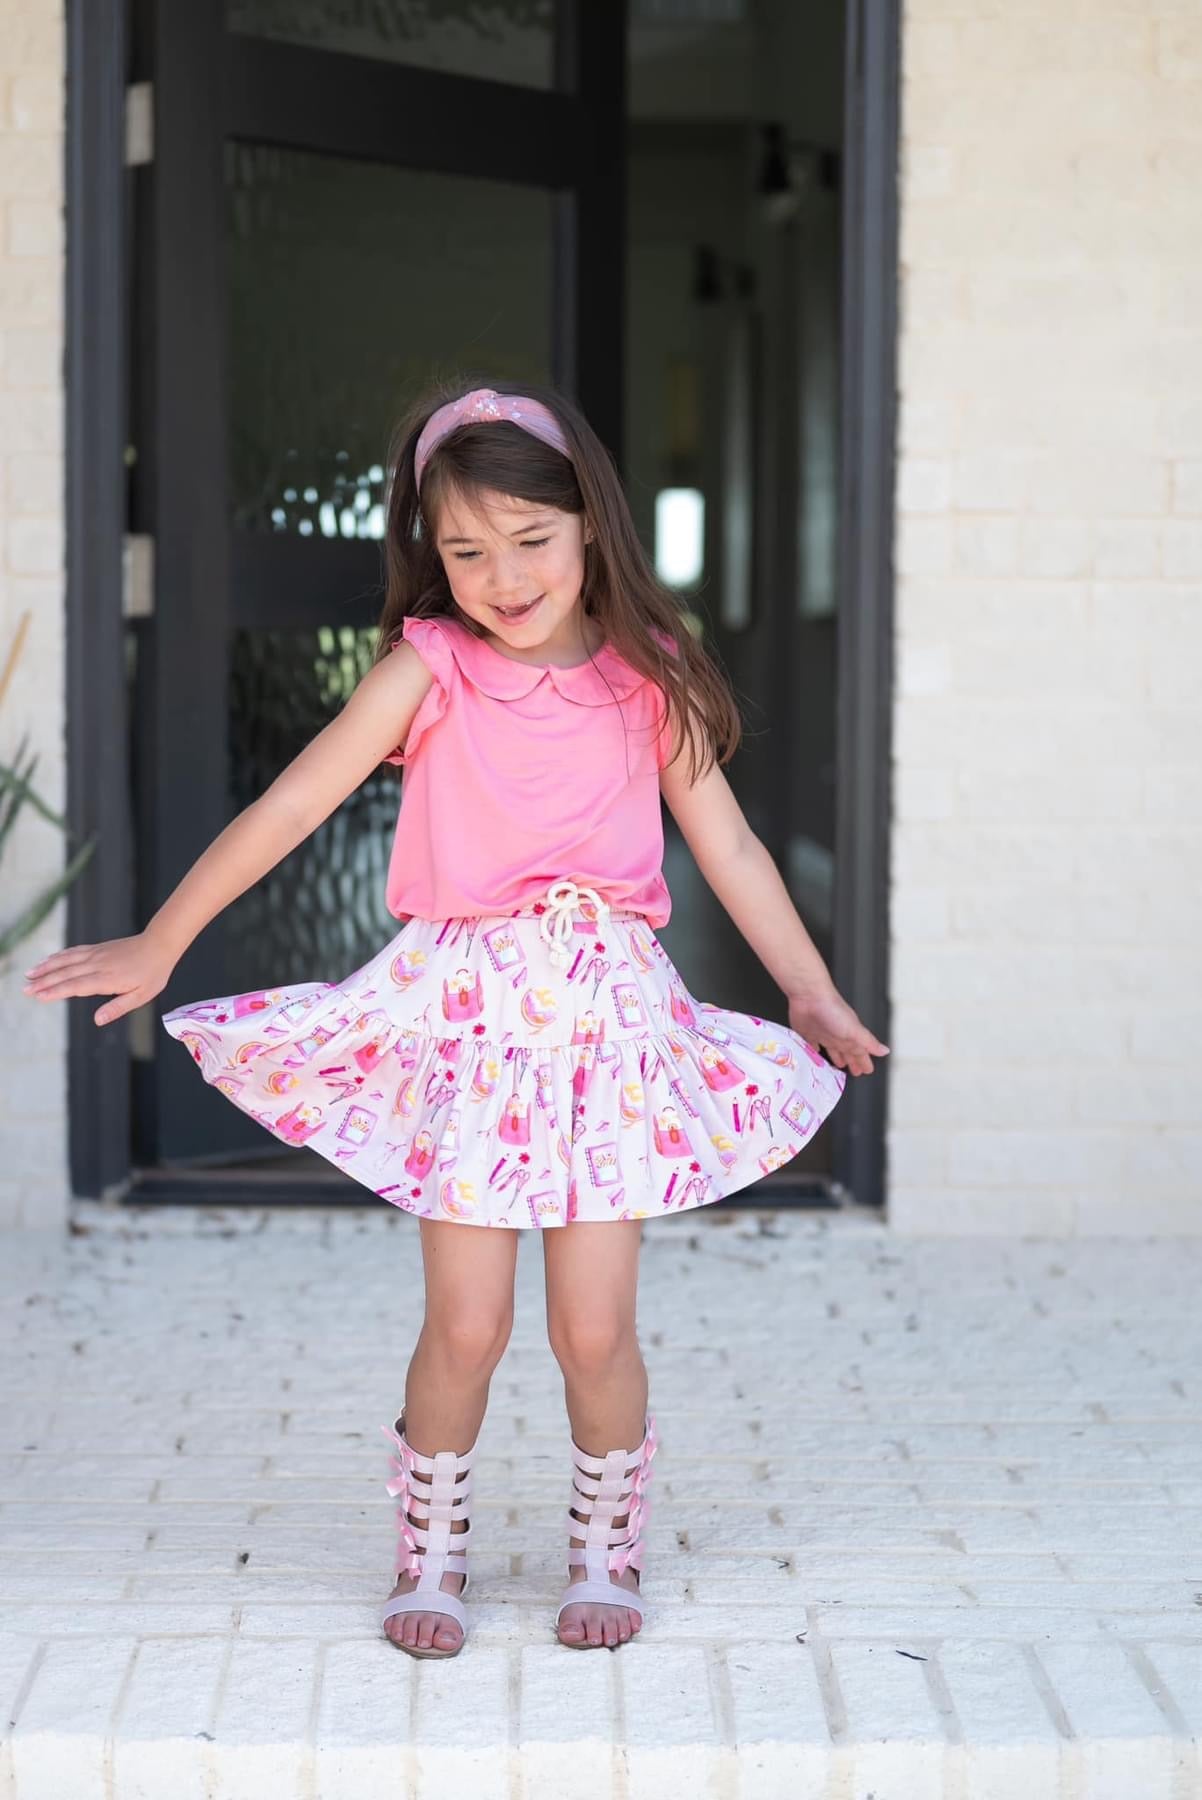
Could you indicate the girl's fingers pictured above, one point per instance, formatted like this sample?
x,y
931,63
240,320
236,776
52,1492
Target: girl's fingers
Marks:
x,y
74,982
59,959
67,986
116,1009
63,967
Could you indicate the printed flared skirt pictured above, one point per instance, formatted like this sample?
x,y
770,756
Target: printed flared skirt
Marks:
x,y
519,1070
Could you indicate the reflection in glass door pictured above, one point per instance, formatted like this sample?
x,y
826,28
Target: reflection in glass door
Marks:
x,y
314,240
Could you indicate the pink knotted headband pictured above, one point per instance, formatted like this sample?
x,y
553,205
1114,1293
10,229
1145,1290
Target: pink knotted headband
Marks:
x,y
481,407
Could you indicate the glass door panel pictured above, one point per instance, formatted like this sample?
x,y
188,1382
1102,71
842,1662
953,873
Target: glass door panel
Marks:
x,y
348,284
314,248
498,40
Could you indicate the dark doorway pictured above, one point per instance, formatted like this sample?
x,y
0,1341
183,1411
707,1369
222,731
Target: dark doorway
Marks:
x,y
682,210
734,133
338,203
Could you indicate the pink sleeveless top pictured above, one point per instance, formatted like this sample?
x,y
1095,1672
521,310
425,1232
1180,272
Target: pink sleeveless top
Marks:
x,y
518,775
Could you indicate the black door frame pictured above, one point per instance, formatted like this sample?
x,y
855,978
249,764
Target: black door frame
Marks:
x,y
865,623
105,902
213,87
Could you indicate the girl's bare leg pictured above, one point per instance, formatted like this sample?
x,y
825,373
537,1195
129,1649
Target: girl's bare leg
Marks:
x,y
469,1314
592,1281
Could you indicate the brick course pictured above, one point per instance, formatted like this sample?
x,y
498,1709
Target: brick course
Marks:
x,y
1048,810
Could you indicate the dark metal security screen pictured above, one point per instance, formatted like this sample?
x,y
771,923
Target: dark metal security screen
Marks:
x,y
338,202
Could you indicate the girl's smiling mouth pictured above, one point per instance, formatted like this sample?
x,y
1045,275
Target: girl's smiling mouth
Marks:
x,y
516,613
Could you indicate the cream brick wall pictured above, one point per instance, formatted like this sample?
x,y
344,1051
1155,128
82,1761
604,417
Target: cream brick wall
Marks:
x,y
33,1037
1047,853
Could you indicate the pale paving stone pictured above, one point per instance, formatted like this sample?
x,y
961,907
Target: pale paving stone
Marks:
x,y
781,1728
1011,1744
58,1738
673,1728
465,1748
565,1737
261,1732
363,1745
938,1450
898,1736
1126,1747
163,1729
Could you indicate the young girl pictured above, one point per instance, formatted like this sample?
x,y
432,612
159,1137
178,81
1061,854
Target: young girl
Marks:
x,y
523,1053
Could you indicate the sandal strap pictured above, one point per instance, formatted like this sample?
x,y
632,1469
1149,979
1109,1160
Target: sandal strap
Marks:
x,y
428,1548
603,1488
417,1601
600,1593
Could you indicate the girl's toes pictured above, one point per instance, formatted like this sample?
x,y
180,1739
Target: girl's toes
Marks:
x,y
571,1630
446,1638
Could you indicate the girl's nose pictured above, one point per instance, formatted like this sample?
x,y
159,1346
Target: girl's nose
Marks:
x,y
507,577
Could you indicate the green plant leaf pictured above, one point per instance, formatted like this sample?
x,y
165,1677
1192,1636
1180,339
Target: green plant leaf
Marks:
x,y
31,918
15,783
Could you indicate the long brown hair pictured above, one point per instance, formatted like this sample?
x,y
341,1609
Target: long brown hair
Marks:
x,y
620,591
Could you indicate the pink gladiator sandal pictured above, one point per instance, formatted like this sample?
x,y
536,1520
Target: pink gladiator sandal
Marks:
x,y
602,1490
424,1551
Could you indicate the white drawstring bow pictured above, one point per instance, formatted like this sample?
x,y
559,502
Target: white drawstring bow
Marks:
x,y
555,925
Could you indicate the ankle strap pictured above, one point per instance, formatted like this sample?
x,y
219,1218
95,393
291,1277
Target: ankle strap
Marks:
x,y
603,1487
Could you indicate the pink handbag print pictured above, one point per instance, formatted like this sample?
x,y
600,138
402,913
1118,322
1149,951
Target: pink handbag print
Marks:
x,y
462,998
670,1139
682,1011
420,1159
717,1071
299,1123
582,1074
251,1003
371,1053
514,1127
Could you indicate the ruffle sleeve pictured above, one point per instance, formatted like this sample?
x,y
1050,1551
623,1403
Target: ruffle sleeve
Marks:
x,y
431,645
663,722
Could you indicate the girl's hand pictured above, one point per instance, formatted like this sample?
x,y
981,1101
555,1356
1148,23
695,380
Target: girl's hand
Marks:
x,y
132,969
825,1019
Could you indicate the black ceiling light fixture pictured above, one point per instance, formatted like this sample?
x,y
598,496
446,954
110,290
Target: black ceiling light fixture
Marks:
x,y
716,276
787,167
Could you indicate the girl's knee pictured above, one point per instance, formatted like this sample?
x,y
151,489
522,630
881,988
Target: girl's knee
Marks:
x,y
470,1340
587,1345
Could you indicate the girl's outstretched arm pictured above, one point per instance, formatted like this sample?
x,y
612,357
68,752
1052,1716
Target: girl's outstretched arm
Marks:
x,y
133,970
741,872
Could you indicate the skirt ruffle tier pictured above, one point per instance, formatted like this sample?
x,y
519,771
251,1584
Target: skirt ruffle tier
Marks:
x,y
463,1074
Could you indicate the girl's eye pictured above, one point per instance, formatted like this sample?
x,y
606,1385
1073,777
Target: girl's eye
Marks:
x,y
527,544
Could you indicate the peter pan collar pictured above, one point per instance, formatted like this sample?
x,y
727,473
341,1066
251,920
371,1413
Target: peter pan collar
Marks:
x,y
608,677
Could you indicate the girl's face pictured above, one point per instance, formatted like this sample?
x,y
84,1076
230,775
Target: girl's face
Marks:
x,y
516,568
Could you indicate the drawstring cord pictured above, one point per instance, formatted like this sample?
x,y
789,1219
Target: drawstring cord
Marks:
x,y
555,925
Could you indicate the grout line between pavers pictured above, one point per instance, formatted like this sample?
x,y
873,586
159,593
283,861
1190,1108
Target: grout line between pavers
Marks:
x,y
725,1785
833,1703
412,1767
27,1680
619,1761
1072,1771
513,1724
1161,1697
309,1761
109,1752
